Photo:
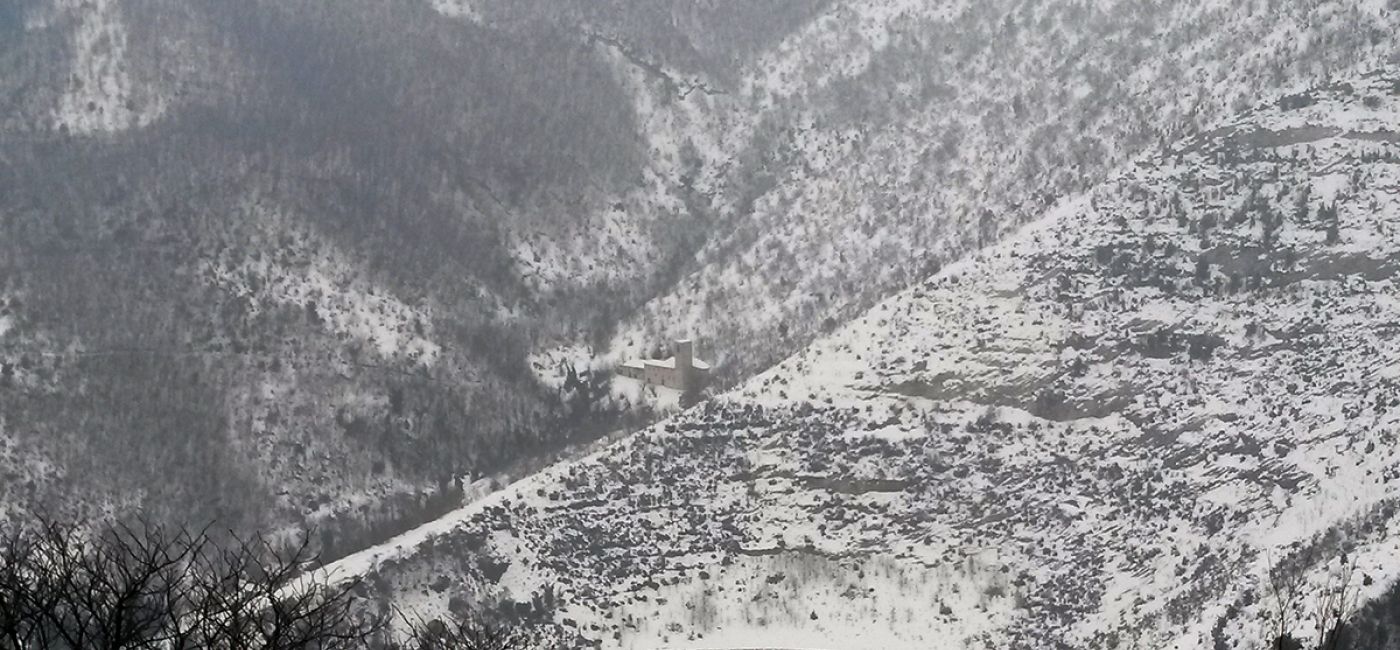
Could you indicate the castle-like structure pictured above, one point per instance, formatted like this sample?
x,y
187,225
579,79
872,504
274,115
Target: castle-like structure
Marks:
x,y
682,372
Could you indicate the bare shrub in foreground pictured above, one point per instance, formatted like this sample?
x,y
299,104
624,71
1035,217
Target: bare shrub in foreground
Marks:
x,y
148,586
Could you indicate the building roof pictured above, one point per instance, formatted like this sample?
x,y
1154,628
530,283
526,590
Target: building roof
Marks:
x,y
669,362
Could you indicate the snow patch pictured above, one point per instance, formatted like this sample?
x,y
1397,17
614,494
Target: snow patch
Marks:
x,y
800,600
100,95
312,277
465,9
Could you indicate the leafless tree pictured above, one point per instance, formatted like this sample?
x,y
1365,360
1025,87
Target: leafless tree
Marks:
x,y
152,587
1333,606
1283,593
147,586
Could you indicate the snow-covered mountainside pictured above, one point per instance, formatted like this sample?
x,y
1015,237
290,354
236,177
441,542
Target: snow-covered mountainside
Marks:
x,y
1109,430
318,264
883,139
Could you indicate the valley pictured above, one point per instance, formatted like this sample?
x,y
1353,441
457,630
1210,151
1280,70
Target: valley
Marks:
x,y
1027,324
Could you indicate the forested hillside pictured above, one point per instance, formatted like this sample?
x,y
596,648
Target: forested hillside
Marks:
x,y
264,250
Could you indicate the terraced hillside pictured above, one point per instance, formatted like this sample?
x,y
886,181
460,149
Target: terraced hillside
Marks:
x,y
1117,428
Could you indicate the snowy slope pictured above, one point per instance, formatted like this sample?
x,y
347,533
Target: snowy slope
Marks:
x,y
886,138
483,189
100,94
1105,430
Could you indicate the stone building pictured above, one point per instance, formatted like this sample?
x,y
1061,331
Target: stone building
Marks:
x,y
682,372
